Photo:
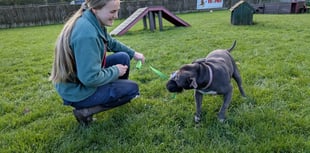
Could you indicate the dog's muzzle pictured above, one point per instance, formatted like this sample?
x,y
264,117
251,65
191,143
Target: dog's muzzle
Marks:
x,y
172,85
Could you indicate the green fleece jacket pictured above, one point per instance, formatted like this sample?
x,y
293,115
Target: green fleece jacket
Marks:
x,y
87,43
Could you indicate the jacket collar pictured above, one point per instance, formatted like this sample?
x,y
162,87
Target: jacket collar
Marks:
x,y
90,16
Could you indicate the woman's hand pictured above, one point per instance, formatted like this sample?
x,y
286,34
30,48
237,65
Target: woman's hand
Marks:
x,y
122,69
139,56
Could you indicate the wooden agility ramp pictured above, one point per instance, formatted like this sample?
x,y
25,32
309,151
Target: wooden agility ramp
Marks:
x,y
148,12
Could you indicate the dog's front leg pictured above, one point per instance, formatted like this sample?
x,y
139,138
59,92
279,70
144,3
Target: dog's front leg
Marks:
x,y
198,99
227,100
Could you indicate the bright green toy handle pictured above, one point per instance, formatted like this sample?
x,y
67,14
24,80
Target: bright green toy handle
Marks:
x,y
139,64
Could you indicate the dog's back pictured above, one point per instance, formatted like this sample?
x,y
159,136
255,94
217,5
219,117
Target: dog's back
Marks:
x,y
222,60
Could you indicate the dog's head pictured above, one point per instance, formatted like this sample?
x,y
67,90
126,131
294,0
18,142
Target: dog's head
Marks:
x,y
184,78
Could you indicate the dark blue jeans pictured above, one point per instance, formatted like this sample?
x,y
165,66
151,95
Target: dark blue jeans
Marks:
x,y
115,93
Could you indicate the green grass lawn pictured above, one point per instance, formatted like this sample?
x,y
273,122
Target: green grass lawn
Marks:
x,y
272,55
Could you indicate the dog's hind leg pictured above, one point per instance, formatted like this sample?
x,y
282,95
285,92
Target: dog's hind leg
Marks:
x,y
237,78
198,99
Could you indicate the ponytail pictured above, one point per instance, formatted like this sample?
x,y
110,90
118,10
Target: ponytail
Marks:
x,y
64,68
64,63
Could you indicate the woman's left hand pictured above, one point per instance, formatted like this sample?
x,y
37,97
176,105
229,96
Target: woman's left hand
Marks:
x,y
139,56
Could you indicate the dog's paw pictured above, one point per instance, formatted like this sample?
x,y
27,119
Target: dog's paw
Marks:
x,y
197,119
221,120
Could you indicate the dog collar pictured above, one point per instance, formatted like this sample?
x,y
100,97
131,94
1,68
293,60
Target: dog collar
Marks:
x,y
211,78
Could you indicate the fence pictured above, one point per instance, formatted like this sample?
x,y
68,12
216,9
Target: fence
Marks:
x,y
34,15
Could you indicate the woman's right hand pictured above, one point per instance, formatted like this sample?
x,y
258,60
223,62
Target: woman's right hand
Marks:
x,y
139,56
122,69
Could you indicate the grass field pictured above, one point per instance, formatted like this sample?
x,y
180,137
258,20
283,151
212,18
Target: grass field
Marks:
x,y
272,55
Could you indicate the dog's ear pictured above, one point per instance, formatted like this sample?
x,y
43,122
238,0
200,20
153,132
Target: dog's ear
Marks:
x,y
193,82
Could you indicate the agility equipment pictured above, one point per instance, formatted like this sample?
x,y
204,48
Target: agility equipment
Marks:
x,y
150,14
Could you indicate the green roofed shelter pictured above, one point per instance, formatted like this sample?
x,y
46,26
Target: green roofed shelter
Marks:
x,y
242,13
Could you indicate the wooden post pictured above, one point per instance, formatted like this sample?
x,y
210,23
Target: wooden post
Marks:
x,y
144,22
151,20
160,20
154,18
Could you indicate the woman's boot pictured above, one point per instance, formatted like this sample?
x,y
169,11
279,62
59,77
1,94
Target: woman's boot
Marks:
x,y
85,115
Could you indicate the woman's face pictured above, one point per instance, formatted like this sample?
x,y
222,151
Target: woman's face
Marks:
x,y
107,14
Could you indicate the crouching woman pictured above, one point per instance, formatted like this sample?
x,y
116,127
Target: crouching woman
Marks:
x,y
84,76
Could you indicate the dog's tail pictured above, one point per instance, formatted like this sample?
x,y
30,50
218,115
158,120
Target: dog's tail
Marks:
x,y
232,47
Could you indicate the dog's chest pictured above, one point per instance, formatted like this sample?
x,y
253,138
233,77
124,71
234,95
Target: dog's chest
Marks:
x,y
207,92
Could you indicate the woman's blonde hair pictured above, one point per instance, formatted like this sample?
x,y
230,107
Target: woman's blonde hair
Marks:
x,y
64,69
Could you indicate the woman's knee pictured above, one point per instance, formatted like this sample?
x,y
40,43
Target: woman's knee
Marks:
x,y
133,88
123,54
118,58
124,57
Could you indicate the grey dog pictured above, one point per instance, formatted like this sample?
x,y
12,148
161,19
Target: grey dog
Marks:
x,y
210,75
